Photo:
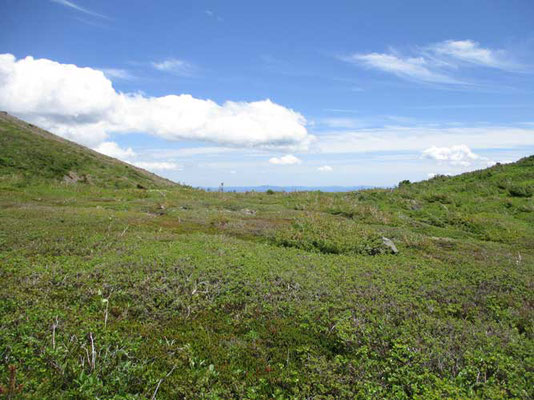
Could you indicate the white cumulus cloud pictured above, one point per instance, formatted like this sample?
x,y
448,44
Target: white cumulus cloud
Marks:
x,y
455,155
325,168
112,149
81,104
288,159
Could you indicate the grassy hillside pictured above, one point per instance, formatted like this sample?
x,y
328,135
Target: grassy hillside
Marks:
x,y
29,154
181,294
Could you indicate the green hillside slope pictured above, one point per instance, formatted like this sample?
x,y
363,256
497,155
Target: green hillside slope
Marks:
x,y
30,154
175,293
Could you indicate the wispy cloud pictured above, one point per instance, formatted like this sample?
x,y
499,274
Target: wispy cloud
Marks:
x,y
193,152
470,106
437,63
417,138
343,110
117,73
211,14
158,165
416,68
76,7
174,66
349,123
470,52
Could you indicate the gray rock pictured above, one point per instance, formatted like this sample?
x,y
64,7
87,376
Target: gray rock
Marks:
x,y
71,177
389,244
414,205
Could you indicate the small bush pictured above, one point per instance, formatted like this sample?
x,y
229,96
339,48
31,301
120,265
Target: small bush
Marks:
x,y
438,198
331,236
520,191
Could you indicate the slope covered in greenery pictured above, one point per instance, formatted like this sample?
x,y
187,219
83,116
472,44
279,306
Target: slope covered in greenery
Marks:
x,y
31,155
181,294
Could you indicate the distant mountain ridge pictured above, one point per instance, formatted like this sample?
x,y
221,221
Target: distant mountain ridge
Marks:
x,y
264,188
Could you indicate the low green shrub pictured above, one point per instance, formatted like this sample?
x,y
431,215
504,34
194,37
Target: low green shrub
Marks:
x,y
520,190
330,235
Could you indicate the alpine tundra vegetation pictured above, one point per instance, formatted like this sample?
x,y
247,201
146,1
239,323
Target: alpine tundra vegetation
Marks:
x,y
118,284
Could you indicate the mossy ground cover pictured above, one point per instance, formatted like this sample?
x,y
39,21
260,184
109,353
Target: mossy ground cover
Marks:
x,y
174,293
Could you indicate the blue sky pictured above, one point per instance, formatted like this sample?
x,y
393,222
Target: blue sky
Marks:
x,y
283,93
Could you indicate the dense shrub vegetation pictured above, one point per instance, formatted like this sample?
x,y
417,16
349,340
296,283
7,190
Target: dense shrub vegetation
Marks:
x,y
324,234
30,155
180,294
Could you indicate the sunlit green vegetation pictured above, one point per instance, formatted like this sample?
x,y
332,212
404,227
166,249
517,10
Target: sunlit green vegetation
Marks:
x,y
111,291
